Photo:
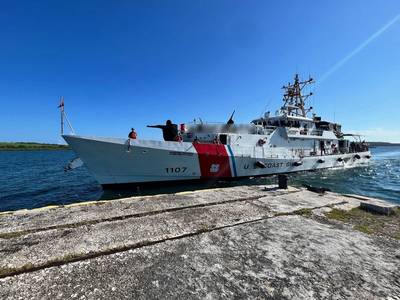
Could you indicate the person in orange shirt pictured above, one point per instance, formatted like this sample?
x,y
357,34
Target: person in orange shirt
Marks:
x,y
132,135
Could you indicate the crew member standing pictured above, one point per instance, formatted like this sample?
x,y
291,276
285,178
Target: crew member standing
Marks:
x,y
170,131
132,135
322,147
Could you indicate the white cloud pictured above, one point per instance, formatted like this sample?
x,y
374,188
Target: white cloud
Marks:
x,y
380,134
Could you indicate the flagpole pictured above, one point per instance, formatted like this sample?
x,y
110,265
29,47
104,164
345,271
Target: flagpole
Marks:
x,y
64,117
62,122
62,114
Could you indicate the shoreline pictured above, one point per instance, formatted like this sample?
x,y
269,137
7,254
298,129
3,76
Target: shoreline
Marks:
x,y
34,149
30,146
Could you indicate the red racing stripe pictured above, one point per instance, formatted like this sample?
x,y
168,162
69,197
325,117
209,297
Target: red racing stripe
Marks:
x,y
213,160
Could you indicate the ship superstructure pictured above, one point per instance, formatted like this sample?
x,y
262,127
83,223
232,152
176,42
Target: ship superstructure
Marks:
x,y
290,141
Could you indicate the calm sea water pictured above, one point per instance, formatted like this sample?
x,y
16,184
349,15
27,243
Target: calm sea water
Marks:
x,y
31,179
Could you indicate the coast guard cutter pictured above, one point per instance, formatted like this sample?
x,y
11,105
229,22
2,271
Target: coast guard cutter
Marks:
x,y
290,141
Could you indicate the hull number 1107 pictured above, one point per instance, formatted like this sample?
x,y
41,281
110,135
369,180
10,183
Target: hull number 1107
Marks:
x,y
176,170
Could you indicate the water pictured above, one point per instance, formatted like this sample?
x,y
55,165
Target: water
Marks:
x,y
30,179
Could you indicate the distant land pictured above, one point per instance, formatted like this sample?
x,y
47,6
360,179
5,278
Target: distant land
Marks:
x,y
23,146
376,144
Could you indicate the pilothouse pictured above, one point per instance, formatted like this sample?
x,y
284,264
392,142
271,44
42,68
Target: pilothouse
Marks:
x,y
290,141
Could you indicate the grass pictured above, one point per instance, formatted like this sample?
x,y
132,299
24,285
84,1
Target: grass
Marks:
x,y
7,271
306,212
21,146
11,235
29,267
368,222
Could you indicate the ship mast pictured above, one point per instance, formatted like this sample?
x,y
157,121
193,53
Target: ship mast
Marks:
x,y
294,99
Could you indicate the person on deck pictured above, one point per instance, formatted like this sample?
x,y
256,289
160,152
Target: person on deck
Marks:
x,y
322,147
132,135
170,131
334,149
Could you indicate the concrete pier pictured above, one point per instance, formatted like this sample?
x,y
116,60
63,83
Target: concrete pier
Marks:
x,y
237,242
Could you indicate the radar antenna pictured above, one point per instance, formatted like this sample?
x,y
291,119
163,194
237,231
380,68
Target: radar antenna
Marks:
x,y
294,99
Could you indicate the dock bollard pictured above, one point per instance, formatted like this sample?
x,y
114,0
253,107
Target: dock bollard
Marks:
x,y
282,181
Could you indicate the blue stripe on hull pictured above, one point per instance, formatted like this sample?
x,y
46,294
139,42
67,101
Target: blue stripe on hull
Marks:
x,y
233,160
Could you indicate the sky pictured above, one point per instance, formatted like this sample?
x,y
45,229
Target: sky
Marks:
x,y
123,64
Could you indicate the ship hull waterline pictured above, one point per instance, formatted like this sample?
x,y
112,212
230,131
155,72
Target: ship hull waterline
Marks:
x,y
122,163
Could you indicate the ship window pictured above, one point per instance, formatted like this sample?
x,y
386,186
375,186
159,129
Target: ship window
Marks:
x,y
223,139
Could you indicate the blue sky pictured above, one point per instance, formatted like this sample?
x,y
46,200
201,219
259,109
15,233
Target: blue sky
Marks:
x,y
131,63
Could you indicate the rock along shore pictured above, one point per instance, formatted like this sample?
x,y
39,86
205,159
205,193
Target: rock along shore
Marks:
x,y
237,242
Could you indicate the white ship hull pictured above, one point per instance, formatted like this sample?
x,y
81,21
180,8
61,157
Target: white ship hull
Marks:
x,y
111,163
